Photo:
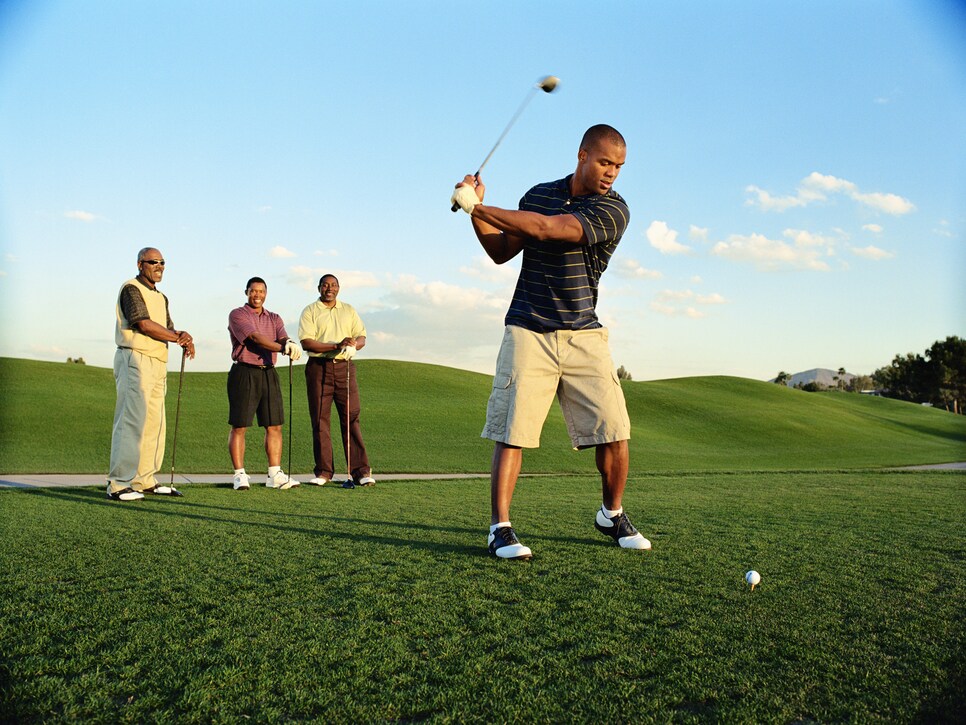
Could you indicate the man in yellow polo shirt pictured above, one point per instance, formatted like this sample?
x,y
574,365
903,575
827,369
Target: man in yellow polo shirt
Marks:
x,y
142,332
331,332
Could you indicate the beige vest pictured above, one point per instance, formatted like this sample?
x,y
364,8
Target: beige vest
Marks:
x,y
126,336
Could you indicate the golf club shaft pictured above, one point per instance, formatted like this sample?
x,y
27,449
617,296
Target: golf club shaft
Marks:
x,y
348,418
177,414
513,120
289,469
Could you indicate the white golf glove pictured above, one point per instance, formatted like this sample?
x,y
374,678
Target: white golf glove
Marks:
x,y
465,197
348,351
292,349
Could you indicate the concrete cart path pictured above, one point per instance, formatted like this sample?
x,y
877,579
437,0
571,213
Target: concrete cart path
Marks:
x,y
61,480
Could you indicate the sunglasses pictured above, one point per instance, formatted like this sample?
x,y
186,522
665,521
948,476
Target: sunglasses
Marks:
x,y
153,262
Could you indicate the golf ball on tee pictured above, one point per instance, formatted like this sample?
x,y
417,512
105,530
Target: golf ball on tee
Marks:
x,y
753,577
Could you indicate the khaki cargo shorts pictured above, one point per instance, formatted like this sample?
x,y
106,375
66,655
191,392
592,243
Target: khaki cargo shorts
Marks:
x,y
576,366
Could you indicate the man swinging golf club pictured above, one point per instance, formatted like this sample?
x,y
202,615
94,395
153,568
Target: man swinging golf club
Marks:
x,y
257,336
553,343
143,329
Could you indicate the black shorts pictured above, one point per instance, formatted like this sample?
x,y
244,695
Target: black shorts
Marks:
x,y
254,391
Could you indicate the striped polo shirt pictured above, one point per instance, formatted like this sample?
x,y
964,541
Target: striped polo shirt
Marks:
x,y
557,286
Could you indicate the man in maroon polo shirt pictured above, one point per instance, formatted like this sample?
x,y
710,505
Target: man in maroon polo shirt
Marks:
x,y
257,336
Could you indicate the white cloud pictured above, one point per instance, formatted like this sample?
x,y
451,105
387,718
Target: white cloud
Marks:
x,y
47,352
802,238
697,233
767,202
943,229
308,277
664,239
280,252
818,187
769,254
483,268
872,252
438,322
632,269
889,203
681,303
874,228
82,216
326,253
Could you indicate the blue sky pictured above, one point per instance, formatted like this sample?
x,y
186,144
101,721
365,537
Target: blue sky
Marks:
x,y
796,172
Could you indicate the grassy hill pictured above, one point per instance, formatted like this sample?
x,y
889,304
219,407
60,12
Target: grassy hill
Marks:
x,y
56,418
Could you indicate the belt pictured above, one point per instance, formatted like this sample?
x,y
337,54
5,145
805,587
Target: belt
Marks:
x,y
323,360
256,367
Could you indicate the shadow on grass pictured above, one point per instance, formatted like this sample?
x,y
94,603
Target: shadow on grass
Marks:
x,y
97,498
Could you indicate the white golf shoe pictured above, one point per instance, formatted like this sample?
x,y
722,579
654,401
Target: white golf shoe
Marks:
x,y
317,481
126,494
504,544
621,530
241,482
281,480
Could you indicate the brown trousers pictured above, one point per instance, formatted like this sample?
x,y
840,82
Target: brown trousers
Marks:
x,y
328,382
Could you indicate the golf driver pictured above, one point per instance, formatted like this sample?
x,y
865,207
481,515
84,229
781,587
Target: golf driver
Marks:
x,y
547,85
177,416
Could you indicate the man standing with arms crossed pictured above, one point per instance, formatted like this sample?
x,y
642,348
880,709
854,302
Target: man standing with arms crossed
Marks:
x,y
142,332
553,343
257,336
331,332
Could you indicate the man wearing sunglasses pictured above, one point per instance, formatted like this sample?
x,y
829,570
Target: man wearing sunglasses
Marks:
x,y
142,332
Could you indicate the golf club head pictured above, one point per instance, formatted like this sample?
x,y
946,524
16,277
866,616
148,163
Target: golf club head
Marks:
x,y
548,84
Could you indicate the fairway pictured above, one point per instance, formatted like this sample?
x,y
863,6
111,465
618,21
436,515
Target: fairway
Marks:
x,y
381,604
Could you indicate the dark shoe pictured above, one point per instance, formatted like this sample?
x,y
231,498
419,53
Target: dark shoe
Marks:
x,y
504,544
621,530
127,494
163,491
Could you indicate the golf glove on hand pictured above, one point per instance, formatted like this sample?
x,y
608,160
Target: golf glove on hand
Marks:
x,y
348,351
465,197
292,350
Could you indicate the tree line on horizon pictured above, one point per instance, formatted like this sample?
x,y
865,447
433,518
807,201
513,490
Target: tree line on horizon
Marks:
x,y
936,377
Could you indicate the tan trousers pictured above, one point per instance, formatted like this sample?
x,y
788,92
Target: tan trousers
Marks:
x,y
137,441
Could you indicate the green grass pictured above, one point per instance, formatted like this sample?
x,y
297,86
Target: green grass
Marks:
x,y
381,605
56,418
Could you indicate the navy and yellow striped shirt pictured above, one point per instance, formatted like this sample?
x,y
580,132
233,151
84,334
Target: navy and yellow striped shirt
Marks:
x,y
557,286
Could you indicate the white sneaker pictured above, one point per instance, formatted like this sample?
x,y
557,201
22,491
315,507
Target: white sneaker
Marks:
x,y
281,480
621,530
366,481
317,481
241,482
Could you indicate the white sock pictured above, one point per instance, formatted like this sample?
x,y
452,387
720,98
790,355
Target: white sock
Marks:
x,y
611,514
500,525
239,471
272,470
